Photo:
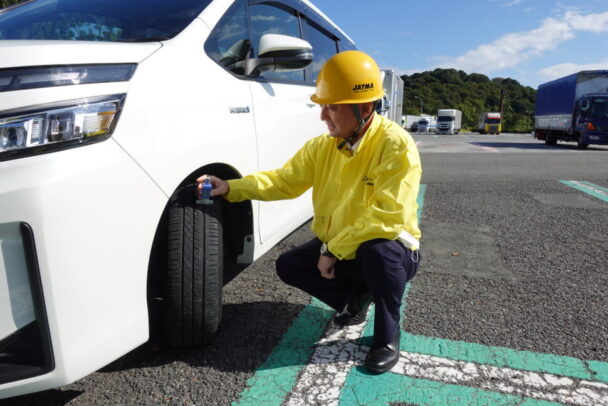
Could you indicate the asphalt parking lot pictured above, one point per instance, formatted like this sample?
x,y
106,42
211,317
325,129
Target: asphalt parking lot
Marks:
x,y
509,306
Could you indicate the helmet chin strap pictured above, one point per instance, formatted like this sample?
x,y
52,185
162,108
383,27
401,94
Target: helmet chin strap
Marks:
x,y
352,140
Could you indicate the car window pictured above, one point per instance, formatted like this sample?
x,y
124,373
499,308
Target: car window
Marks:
x,y
99,20
324,47
346,45
228,43
267,19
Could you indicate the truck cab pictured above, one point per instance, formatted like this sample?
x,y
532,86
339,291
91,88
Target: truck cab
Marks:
x,y
449,121
592,117
489,123
424,125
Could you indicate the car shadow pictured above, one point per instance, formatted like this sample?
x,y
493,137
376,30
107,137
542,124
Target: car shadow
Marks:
x,y
53,397
247,335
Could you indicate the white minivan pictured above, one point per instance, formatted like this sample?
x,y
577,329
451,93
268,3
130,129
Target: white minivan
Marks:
x,y
109,110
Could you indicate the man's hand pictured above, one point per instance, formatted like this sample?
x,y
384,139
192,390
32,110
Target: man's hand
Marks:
x,y
326,266
220,187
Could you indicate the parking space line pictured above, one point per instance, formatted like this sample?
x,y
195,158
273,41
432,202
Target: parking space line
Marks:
x,y
424,392
322,379
589,188
505,380
277,375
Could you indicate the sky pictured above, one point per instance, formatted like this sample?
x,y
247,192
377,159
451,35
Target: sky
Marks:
x,y
531,41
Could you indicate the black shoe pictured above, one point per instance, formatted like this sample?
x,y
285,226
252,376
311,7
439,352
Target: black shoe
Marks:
x,y
383,357
355,311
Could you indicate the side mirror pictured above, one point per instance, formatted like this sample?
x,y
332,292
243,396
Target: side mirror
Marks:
x,y
279,53
585,106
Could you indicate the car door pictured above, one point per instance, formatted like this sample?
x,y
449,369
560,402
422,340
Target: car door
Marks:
x,y
284,119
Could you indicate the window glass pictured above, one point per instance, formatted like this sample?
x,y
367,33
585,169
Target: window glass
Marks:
x,y
228,43
99,20
346,45
267,19
599,108
323,46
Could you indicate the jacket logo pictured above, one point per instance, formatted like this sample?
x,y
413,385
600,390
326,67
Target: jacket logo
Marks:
x,y
368,181
363,87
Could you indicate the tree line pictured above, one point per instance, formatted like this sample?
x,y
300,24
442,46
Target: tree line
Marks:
x,y
472,94
6,3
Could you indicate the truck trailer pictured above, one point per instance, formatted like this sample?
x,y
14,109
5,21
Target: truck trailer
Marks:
x,y
489,123
391,105
449,121
573,108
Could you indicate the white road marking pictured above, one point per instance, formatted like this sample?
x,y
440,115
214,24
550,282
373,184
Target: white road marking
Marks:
x,y
587,186
535,385
322,379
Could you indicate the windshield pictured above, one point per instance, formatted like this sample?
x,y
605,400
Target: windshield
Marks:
x,y
423,122
99,20
599,107
493,120
445,118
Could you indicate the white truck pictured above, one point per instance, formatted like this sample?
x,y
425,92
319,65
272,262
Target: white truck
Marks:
x,y
410,122
427,124
449,121
391,105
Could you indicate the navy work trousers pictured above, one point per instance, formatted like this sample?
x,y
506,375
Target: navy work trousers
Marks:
x,y
380,266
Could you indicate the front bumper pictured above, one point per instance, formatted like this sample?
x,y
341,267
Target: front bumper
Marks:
x,y
25,343
90,215
599,138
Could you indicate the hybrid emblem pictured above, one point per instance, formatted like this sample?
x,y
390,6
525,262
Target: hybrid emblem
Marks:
x,y
239,110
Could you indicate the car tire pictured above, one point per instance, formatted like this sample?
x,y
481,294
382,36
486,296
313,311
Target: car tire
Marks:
x,y
194,279
550,140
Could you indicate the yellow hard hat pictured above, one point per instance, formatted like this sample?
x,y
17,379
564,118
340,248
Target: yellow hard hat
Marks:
x,y
349,77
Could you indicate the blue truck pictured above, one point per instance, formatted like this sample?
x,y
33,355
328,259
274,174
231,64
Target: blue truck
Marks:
x,y
573,108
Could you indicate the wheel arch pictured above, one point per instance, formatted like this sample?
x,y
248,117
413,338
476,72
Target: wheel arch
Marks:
x,y
238,241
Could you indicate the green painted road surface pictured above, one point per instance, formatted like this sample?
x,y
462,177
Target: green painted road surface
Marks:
x,y
589,188
317,363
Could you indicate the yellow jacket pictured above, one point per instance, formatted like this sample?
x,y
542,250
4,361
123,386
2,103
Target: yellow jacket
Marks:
x,y
358,196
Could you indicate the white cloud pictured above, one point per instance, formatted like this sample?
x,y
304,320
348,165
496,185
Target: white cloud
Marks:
x,y
512,3
514,48
596,23
565,69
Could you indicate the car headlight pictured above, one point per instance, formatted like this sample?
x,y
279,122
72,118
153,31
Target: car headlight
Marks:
x,y
52,127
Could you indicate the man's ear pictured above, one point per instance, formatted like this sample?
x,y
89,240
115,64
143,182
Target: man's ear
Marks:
x,y
366,109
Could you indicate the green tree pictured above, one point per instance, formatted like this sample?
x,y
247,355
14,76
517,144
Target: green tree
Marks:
x,y
6,3
472,94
